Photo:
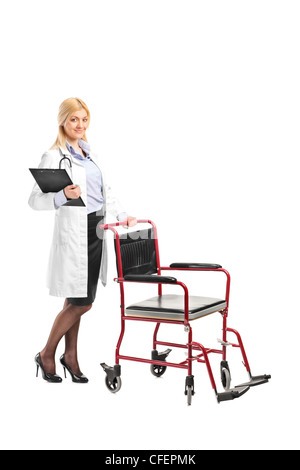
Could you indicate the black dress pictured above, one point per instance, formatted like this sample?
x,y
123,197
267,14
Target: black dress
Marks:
x,y
94,261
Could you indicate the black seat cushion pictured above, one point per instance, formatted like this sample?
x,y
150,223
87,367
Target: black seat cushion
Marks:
x,y
172,307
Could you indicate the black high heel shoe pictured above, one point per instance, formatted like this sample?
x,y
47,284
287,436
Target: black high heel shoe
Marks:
x,y
51,378
79,379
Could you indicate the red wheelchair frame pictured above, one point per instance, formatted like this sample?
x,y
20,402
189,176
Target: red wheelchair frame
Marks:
x,y
113,379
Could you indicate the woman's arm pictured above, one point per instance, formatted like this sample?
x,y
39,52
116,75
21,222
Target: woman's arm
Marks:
x,y
113,205
115,208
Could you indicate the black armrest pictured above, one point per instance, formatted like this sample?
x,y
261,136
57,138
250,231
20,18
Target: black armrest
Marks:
x,y
195,265
150,278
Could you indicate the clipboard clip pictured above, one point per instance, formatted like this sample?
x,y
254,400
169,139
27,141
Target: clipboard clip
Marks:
x,y
70,163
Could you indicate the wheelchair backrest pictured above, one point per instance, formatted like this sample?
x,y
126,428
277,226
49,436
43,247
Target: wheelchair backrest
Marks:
x,y
138,252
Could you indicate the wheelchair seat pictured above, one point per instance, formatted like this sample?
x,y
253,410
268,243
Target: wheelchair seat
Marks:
x,y
172,307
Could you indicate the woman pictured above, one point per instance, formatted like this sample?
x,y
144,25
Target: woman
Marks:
x,y
78,255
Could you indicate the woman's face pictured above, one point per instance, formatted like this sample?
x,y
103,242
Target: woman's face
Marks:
x,y
76,126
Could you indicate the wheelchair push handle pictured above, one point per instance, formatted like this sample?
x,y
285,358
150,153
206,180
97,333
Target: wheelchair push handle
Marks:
x,y
120,224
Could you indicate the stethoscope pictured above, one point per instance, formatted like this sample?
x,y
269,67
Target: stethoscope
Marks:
x,y
70,163
64,157
67,158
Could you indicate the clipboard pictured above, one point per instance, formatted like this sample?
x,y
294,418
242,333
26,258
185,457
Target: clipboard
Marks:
x,y
53,180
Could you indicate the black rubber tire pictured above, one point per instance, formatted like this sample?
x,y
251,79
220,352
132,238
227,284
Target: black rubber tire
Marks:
x,y
158,370
114,385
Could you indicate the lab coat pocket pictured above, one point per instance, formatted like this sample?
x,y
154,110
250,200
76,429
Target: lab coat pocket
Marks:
x,y
66,223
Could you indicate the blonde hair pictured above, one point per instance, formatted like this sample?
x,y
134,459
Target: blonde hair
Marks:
x,y
67,107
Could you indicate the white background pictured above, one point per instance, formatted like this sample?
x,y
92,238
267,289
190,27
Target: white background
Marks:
x,y
195,117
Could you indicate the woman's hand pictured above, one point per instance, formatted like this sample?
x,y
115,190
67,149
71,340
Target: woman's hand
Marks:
x,y
131,221
72,191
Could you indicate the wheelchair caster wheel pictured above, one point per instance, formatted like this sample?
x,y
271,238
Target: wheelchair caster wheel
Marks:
x,y
157,370
113,385
189,394
189,389
112,379
225,375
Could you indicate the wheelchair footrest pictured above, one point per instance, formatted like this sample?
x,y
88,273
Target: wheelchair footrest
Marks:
x,y
258,380
232,394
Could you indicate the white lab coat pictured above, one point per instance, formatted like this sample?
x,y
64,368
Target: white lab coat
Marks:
x,y
68,263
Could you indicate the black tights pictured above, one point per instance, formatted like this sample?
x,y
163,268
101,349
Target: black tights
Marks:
x,y
66,324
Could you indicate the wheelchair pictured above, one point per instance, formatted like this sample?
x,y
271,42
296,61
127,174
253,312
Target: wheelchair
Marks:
x,y
138,261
